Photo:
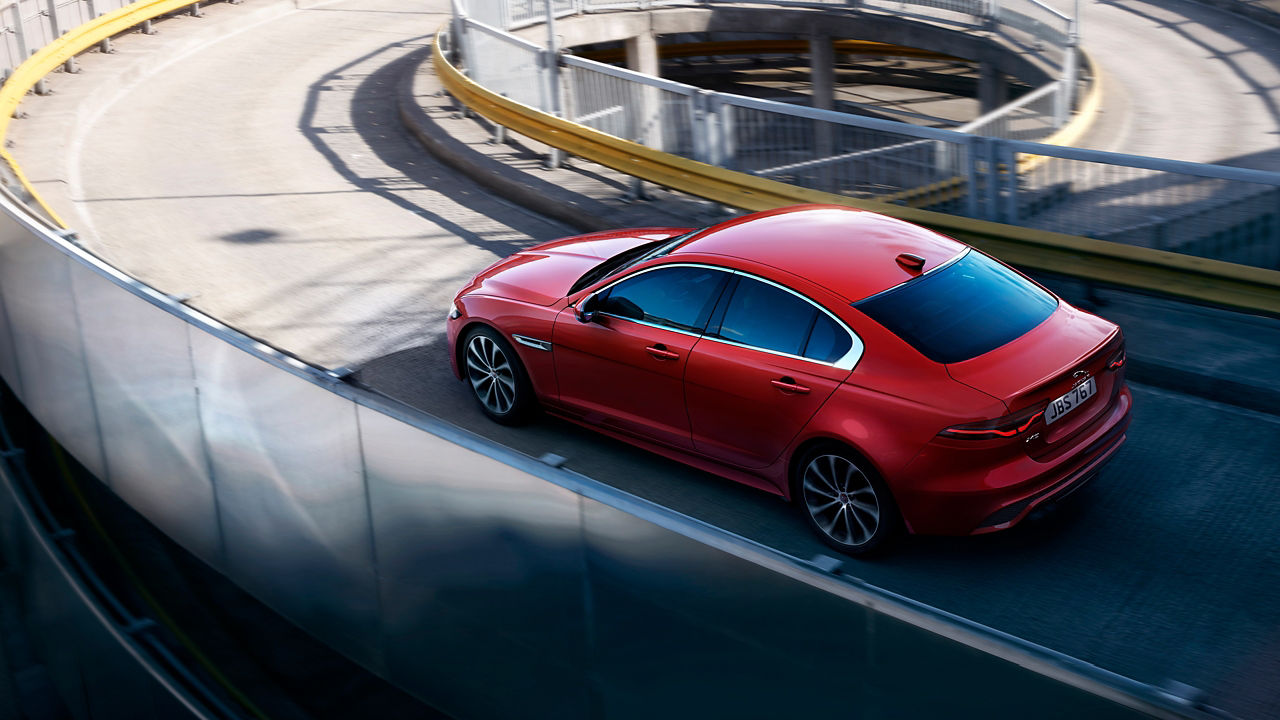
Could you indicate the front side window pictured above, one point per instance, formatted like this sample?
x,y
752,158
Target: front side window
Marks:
x,y
763,316
679,297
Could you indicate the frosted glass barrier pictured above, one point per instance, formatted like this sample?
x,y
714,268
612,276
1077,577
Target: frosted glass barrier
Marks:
x,y
35,278
289,478
714,617
482,563
144,385
8,352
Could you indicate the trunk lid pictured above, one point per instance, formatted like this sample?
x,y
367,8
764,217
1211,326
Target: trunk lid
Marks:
x,y
1069,348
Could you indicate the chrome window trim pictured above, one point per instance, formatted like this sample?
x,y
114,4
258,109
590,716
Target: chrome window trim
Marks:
x,y
532,342
646,323
962,255
848,361
845,362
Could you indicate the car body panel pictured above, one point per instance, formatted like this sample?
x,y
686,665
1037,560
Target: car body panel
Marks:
x,y
738,414
615,372
543,274
509,317
825,243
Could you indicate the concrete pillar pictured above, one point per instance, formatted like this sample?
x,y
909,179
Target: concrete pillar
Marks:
x,y
822,86
642,56
993,88
822,72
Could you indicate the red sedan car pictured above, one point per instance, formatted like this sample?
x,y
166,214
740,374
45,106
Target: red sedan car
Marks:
x,y
881,375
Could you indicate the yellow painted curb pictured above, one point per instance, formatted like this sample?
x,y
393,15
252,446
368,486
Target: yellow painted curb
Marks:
x,y
51,56
1071,133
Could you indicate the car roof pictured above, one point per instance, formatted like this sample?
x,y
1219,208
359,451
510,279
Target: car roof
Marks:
x,y
850,252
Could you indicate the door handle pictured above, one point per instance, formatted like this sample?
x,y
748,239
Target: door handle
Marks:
x,y
786,384
661,352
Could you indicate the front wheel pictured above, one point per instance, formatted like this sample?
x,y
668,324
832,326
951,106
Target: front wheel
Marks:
x,y
497,379
844,501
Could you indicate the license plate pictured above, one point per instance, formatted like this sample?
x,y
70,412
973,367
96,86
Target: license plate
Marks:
x,y
1074,398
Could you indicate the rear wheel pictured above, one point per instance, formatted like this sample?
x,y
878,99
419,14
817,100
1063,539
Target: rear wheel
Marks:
x,y
844,501
497,379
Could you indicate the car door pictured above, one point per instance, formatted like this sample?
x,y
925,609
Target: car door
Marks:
x,y
768,361
625,369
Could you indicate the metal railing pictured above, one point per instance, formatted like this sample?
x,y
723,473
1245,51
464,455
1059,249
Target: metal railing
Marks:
x,y
1043,31
1033,116
986,170
28,25
1211,282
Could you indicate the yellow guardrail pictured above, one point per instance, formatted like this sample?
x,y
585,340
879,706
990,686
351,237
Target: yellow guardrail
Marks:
x,y
51,56
1192,278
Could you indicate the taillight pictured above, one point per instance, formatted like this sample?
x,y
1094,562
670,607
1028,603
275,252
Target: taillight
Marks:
x,y
1117,361
1008,426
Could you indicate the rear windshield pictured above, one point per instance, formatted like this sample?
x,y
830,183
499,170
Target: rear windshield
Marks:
x,y
963,310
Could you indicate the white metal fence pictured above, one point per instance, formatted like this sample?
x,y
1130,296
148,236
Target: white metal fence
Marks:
x,y
28,25
1050,33
1211,211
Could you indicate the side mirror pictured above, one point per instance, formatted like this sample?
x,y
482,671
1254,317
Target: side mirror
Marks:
x,y
586,310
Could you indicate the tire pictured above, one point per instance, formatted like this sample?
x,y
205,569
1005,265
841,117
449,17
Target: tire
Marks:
x,y
497,378
844,501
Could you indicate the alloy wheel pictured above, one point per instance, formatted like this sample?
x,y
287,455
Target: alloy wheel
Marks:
x,y
840,499
491,375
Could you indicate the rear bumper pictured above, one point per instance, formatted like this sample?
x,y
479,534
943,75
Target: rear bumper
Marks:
x,y
1014,512
986,499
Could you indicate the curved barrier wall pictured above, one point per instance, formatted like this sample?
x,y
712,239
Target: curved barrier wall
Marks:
x,y
480,580
451,565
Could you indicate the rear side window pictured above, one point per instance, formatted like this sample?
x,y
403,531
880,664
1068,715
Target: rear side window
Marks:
x,y
963,310
766,317
828,342
678,297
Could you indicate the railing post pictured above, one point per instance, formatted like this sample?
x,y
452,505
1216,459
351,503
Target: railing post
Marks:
x,y
551,62
1070,69
1008,159
727,145
973,176
993,14
21,36
52,12
457,33
985,180
699,126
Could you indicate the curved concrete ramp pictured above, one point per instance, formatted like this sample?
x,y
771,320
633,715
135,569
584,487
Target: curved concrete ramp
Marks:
x,y
266,177
1185,82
